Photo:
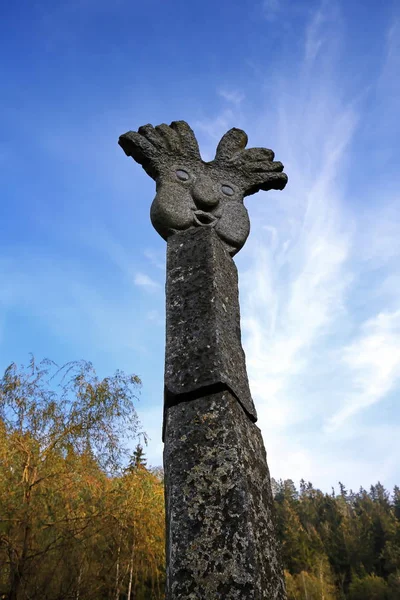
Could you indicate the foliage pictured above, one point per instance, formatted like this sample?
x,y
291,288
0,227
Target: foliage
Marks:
x,y
371,587
344,546
71,525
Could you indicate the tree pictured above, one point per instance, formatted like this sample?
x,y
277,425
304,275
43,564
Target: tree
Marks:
x,y
138,522
52,421
345,546
315,585
370,587
138,459
396,502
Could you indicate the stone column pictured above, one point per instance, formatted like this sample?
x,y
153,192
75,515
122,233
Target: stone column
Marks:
x,y
220,520
219,508
219,512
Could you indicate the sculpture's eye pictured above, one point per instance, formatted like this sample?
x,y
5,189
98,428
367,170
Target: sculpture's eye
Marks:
x,y
182,175
227,190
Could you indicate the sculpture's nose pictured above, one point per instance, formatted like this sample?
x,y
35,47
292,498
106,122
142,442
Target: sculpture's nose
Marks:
x,y
204,194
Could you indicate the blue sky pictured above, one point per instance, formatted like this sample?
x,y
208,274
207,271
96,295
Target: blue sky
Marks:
x,y
82,271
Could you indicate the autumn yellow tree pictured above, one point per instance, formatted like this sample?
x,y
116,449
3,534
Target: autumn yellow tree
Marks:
x,y
53,423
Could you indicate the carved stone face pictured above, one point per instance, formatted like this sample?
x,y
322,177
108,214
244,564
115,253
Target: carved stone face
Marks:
x,y
193,193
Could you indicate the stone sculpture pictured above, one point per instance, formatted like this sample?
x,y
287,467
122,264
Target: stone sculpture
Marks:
x,y
221,541
191,192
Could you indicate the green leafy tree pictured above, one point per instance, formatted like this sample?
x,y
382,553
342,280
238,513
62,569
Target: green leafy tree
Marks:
x,y
370,587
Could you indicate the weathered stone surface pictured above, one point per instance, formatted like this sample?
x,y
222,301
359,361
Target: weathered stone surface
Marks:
x,y
193,193
221,540
203,346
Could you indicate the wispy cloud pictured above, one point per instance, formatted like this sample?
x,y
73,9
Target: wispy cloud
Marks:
x,y
145,281
213,129
315,34
392,60
374,361
232,96
315,362
295,289
157,259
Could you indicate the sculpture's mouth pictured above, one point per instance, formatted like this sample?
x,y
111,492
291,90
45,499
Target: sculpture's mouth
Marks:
x,y
204,219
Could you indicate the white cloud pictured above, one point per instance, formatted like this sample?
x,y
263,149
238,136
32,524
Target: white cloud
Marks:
x,y
295,279
145,281
157,259
374,360
378,236
232,96
314,35
212,130
389,79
